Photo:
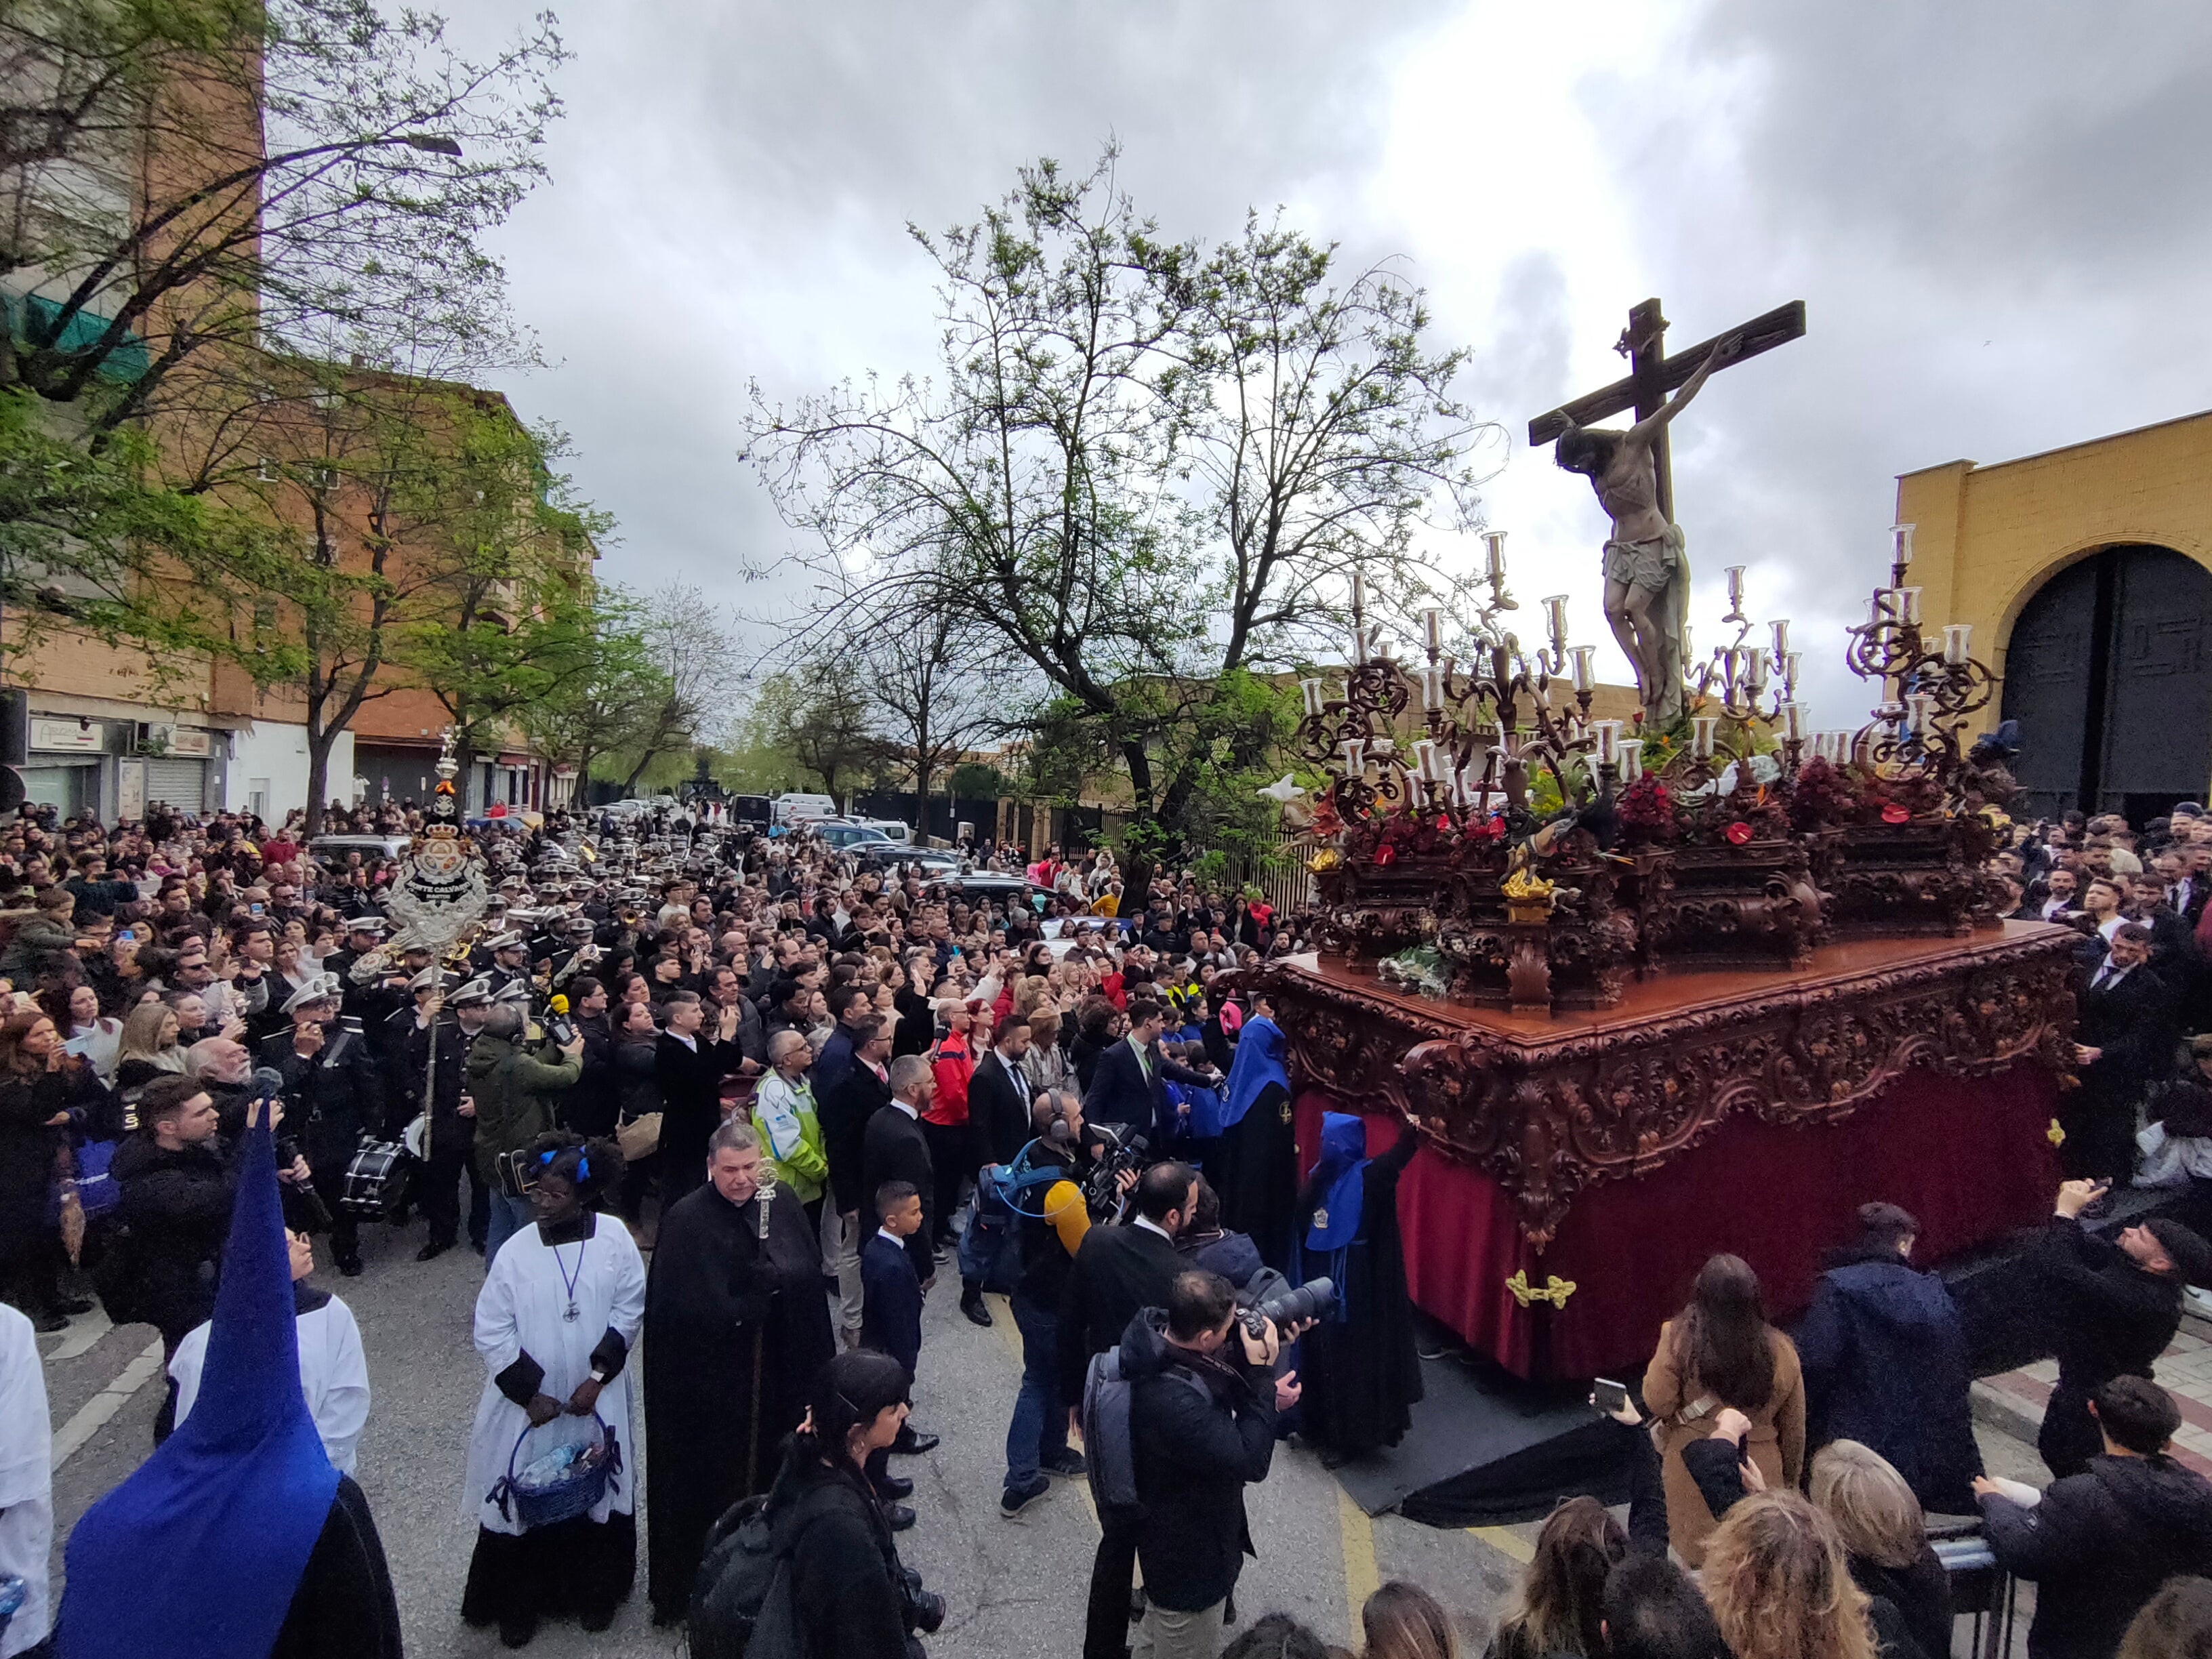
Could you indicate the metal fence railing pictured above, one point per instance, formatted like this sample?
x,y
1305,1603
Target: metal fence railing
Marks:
x,y
1281,876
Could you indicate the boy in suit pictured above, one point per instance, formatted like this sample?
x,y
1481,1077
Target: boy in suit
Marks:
x,y
890,1317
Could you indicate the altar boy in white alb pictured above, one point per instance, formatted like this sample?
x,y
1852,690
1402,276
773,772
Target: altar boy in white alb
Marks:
x,y
26,1501
333,1370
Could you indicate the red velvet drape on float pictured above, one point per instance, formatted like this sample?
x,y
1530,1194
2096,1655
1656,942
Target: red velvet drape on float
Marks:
x,y
1970,1156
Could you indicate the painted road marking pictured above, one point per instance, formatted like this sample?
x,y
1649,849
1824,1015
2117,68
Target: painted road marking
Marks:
x,y
1505,1542
93,1416
1361,1575
85,1330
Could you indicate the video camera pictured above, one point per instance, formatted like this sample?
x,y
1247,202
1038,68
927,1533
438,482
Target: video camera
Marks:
x,y
1102,1191
558,1026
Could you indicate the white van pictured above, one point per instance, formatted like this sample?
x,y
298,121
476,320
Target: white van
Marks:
x,y
787,810
893,829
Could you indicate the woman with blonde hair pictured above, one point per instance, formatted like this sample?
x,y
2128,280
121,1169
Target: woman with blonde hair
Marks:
x,y
1719,1352
1885,1536
1561,1605
149,1046
1778,1585
1404,1621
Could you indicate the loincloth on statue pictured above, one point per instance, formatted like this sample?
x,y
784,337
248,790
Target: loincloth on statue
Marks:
x,y
1647,566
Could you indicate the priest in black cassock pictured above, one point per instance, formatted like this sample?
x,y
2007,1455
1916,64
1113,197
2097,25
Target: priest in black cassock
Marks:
x,y
737,1328
1359,1369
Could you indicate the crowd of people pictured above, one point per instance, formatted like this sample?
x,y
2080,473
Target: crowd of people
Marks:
x,y
746,1100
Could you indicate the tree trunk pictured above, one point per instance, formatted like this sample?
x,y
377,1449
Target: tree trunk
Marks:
x,y
923,772
319,745
1137,868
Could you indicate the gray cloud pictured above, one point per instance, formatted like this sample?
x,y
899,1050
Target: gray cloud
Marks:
x,y
1994,212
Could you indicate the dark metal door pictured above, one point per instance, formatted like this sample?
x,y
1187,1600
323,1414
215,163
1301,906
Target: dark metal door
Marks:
x,y
2158,699
2047,677
2108,674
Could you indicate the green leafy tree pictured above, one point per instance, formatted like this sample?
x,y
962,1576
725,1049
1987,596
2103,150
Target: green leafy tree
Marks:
x,y
1146,464
614,692
194,196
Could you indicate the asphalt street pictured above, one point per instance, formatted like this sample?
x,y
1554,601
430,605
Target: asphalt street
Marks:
x,y
1016,1588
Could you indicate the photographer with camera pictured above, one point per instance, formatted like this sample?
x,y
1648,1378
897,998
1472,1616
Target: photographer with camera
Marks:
x,y
1118,1271
1202,1405
852,1596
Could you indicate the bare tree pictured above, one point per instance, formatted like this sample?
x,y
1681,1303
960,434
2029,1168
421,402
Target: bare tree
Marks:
x,y
939,684
698,676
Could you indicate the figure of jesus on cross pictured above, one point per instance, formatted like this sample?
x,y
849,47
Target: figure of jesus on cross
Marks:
x,y
1647,575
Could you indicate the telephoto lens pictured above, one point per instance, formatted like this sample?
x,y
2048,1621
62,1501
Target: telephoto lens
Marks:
x,y
1314,1299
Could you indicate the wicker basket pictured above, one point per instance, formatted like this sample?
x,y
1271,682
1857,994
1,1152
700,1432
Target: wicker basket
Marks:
x,y
574,1494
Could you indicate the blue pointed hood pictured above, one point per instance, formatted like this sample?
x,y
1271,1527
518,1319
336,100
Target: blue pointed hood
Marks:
x,y
1258,1062
197,1554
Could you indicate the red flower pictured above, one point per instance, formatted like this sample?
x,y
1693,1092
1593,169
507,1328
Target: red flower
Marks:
x,y
1443,823
1738,834
1490,829
1385,855
1894,813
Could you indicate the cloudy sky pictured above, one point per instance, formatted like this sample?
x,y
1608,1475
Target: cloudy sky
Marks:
x,y
1995,214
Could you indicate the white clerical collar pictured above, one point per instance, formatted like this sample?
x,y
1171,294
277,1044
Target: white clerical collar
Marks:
x,y
906,1107
1151,1225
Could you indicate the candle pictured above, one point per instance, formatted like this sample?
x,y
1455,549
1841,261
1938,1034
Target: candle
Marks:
x,y
1793,722
1911,598
1584,678
1702,728
1359,590
1493,542
1608,737
1358,642
1900,544
1432,686
1630,753
1735,589
1917,707
1312,691
1956,638
1781,627
1754,670
1425,759
1432,626
1555,608
1882,607
1790,663
1354,757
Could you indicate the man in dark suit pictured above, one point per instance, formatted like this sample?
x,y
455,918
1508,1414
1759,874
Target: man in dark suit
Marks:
x,y
998,1094
1128,1092
1118,1271
2121,1041
844,1113
688,1066
892,1148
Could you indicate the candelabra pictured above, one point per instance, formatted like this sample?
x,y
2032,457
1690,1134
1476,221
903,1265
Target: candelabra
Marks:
x,y
1472,748
1929,691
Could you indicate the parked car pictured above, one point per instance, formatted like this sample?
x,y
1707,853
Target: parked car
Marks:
x,y
793,809
333,849
892,829
984,884
853,837
929,862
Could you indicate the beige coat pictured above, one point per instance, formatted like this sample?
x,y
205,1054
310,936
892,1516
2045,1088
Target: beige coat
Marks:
x,y
1776,1437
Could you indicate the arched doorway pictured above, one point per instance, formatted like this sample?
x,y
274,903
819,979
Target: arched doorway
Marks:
x,y
2108,675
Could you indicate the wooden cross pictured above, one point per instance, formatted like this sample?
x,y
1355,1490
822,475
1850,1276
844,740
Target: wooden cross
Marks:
x,y
1653,374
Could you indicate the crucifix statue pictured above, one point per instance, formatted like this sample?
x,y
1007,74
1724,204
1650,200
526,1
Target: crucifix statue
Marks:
x,y
1647,576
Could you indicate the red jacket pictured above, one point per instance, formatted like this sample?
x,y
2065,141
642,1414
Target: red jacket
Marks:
x,y
953,1065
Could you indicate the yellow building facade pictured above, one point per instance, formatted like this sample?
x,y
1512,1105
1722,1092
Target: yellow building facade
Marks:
x,y
2086,573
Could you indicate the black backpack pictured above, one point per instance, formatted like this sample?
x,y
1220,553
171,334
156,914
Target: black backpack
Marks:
x,y
742,1606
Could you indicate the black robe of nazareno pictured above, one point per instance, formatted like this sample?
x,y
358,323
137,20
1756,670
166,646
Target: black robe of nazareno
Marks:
x,y
1260,1178
344,1608
714,1298
1361,1375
